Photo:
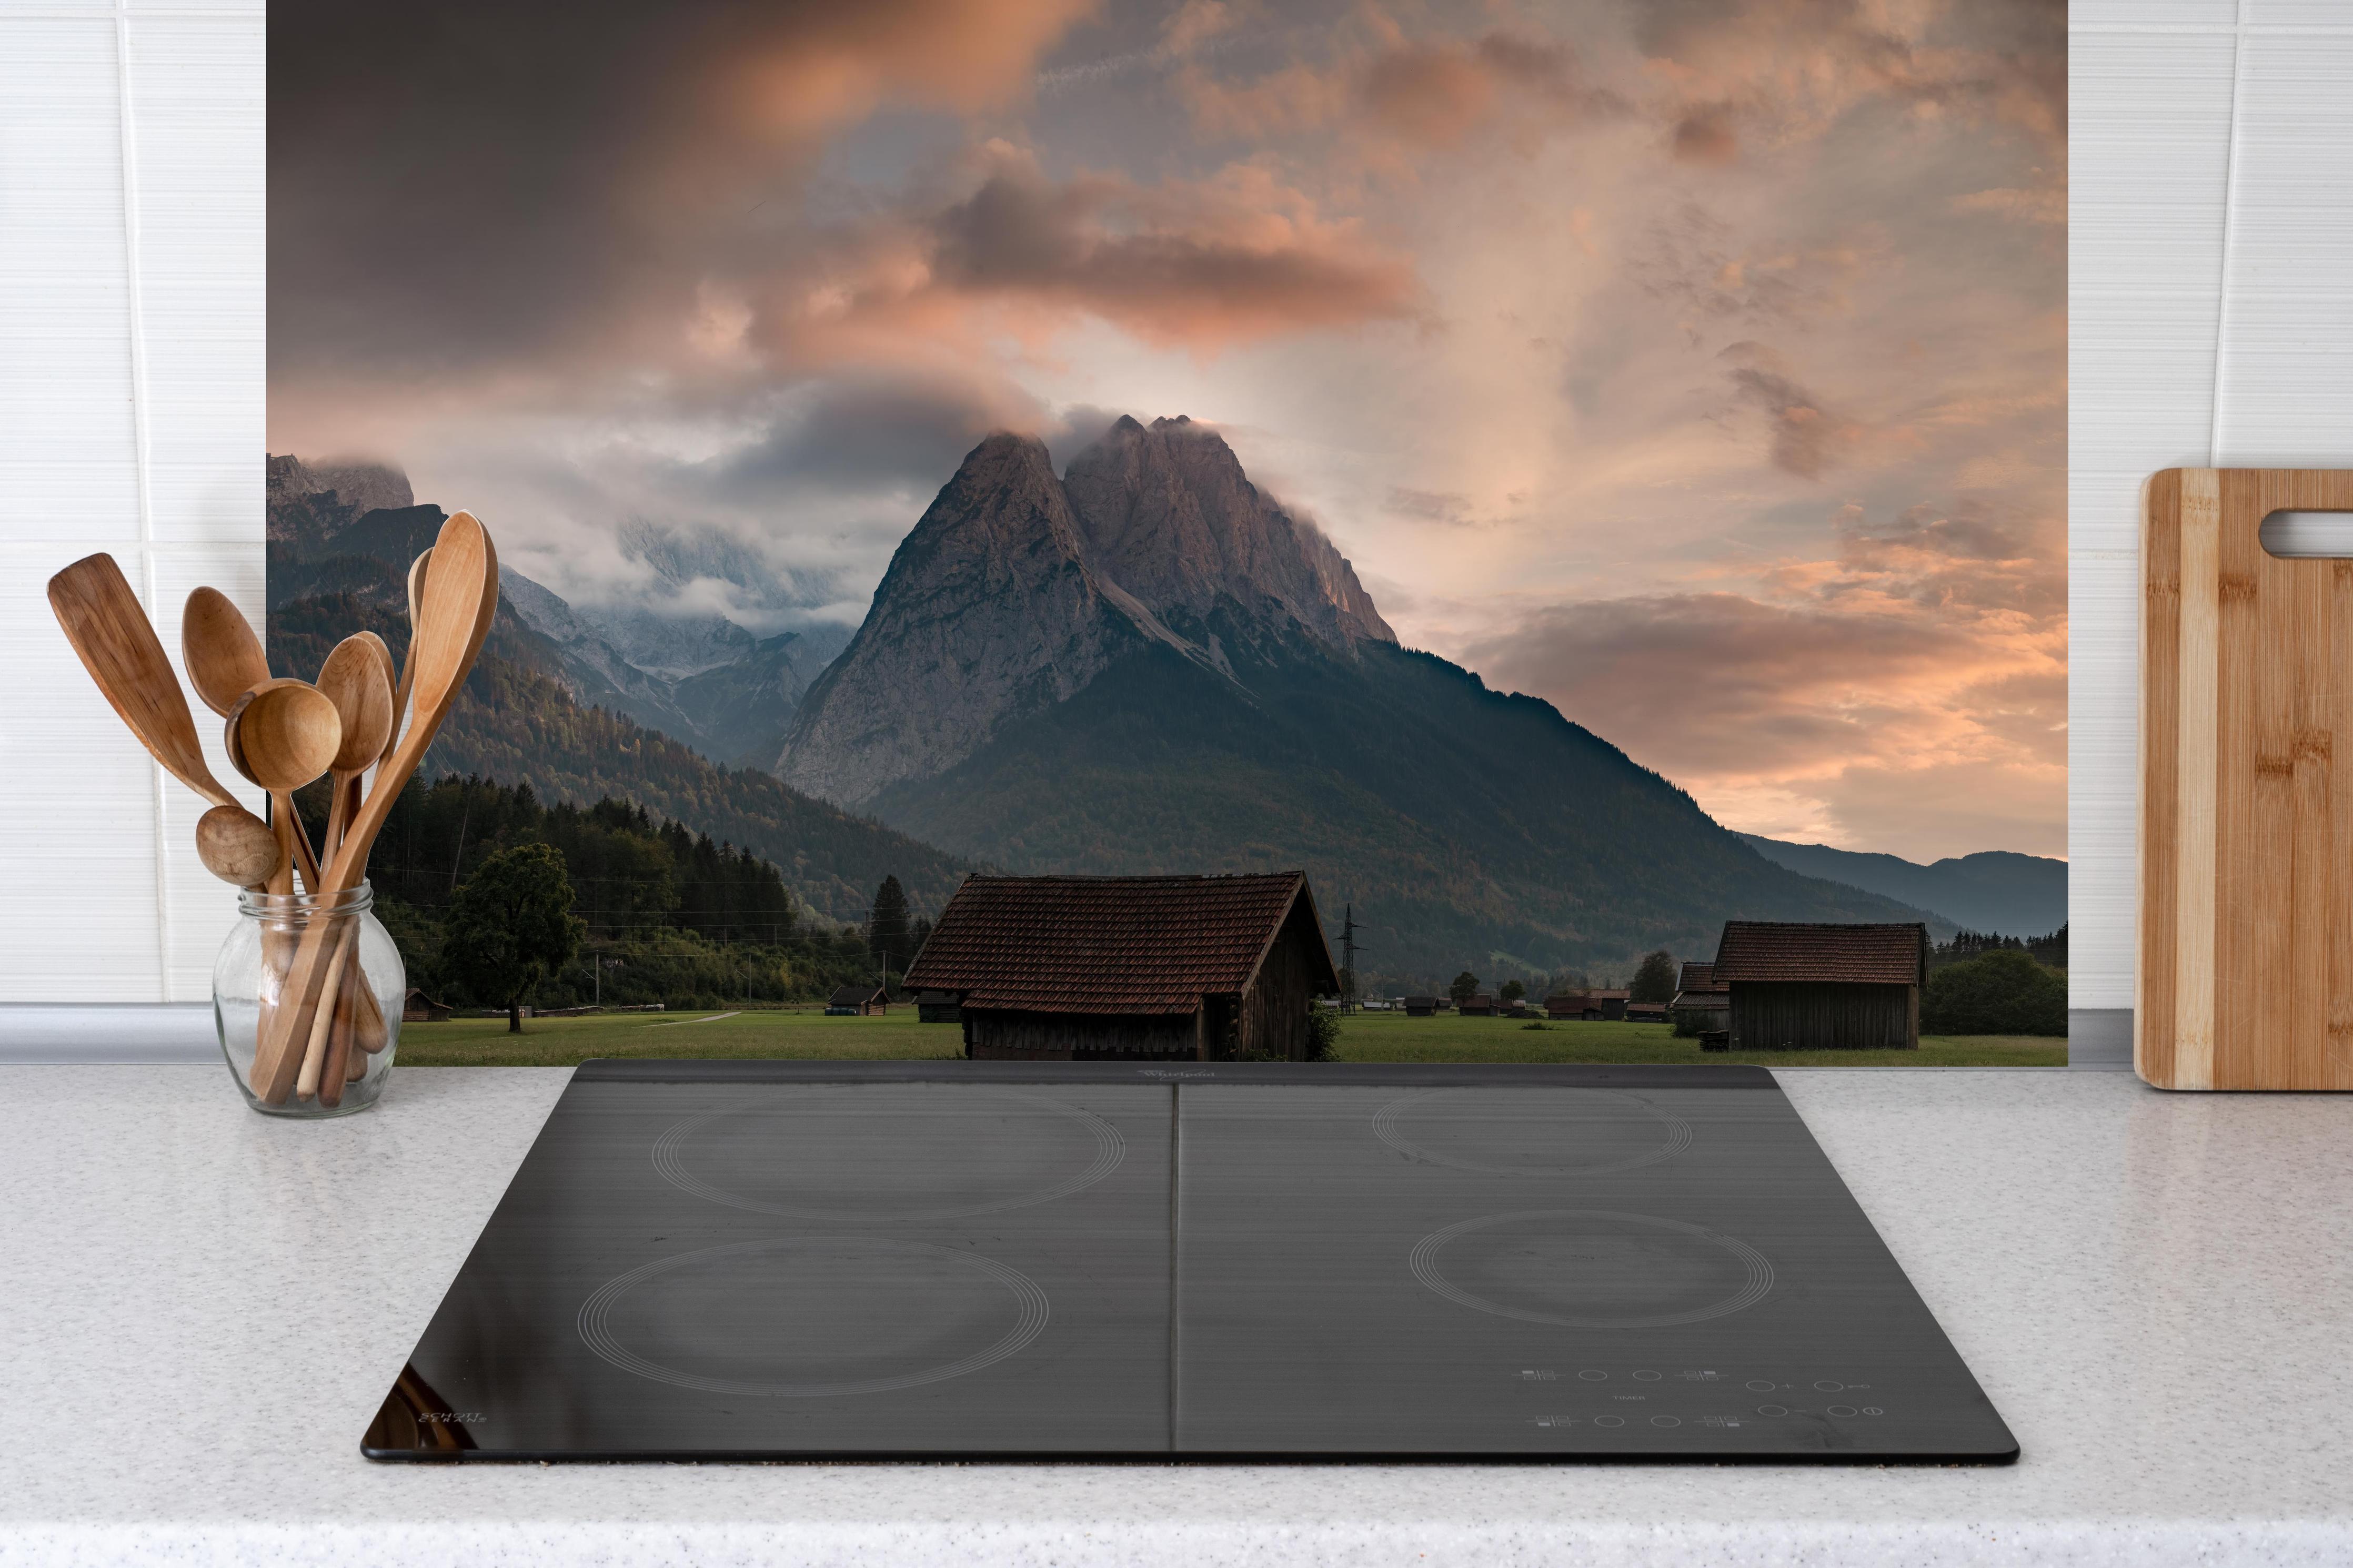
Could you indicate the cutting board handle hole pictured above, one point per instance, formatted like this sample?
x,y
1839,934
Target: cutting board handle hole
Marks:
x,y
2305,534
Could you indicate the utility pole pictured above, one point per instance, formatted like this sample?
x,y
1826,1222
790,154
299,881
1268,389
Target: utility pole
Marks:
x,y
1348,950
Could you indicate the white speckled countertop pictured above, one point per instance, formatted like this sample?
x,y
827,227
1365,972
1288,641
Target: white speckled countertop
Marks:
x,y
2156,1290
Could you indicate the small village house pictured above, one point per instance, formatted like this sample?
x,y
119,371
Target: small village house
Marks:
x,y
857,1000
1808,987
1131,968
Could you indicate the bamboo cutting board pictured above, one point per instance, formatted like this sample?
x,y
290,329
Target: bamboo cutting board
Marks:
x,y
2246,810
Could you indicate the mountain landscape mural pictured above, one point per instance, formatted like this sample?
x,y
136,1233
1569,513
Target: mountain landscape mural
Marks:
x,y
1565,477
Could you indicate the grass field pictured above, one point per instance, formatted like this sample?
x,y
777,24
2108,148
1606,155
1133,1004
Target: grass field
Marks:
x,y
806,1034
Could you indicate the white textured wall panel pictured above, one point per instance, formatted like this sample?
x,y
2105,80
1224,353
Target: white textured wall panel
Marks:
x,y
130,421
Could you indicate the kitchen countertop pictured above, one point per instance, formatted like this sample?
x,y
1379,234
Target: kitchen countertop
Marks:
x,y
200,1309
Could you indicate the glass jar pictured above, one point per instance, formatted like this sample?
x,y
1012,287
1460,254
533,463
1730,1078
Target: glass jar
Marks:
x,y
326,1052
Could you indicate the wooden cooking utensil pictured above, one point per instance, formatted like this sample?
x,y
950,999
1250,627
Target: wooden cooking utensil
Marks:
x,y
454,616
102,619
117,643
281,735
357,677
416,572
353,680
216,642
237,847
392,730
2246,827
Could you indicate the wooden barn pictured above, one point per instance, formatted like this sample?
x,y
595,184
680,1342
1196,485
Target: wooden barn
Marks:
x,y
1593,1005
1131,968
419,1008
1477,1007
1646,1012
1420,1006
859,1001
1699,997
1805,987
937,1007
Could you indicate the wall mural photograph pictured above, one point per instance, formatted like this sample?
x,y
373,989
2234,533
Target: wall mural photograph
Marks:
x,y
1220,528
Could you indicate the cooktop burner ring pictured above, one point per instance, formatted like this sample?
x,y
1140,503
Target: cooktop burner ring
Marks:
x,y
596,1329
1388,1128
1110,1149
1756,1284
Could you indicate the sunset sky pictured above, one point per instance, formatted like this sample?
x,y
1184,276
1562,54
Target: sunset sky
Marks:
x,y
1698,366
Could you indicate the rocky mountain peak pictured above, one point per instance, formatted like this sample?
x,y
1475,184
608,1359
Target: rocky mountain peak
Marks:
x,y
1167,513
308,503
987,611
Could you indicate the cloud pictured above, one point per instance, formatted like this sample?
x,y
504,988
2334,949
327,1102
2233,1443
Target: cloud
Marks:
x,y
1783,70
1704,135
1432,93
1197,264
863,433
1806,439
457,187
1821,718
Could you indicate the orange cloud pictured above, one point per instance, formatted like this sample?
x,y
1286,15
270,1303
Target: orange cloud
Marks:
x,y
828,64
1194,265
1428,93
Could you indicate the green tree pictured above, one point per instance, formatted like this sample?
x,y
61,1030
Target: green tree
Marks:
x,y
886,927
512,925
1512,991
2003,993
1656,980
1465,986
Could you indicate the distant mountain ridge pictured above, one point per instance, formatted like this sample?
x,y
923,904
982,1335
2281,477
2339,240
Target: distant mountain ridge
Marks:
x,y
561,712
1995,891
1146,665
699,679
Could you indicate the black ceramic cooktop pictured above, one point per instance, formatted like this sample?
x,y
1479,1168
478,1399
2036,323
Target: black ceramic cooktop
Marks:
x,y
819,1259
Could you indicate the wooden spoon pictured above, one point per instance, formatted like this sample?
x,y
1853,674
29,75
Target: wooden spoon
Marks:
x,y
357,677
392,729
454,616
281,735
216,642
417,570
117,643
353,680
237,847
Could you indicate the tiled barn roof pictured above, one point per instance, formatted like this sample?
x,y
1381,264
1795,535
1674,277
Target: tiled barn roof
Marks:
x,y
1866,954
1110,945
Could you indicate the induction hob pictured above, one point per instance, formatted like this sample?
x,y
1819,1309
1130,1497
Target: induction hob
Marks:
x,y
792,1260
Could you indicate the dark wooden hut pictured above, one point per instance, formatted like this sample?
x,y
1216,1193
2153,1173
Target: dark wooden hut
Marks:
x,y
1646,1012
859,1000
1478,1005
1128,968
937,1007
1591,1005
1806,987
419,1008
1701,1003
1420,1006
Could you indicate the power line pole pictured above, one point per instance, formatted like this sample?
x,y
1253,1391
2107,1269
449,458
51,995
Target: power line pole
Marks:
x,y
1348,952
